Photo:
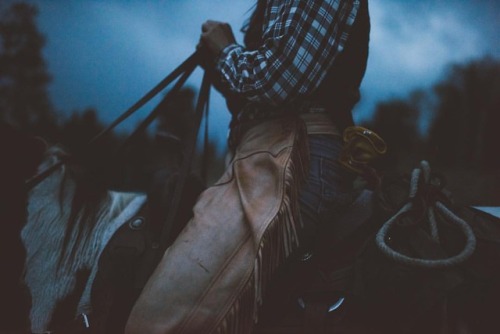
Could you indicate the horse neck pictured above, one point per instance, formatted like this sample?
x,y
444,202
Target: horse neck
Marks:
x,y
71,212
56,252
55,222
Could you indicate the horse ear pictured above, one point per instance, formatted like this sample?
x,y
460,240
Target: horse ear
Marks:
x,y
23,150
39,145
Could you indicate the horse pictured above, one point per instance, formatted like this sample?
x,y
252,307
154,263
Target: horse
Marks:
x,y
86,249
67,228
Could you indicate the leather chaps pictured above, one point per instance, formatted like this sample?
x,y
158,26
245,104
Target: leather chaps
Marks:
x,y
213,277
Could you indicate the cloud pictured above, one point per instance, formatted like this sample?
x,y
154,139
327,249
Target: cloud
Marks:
x,y
412,43
107,54
418,46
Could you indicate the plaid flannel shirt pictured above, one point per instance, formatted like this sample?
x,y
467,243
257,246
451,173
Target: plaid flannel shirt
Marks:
x,y
301,39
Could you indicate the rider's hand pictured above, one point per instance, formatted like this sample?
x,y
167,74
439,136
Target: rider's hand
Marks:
x,y
216,36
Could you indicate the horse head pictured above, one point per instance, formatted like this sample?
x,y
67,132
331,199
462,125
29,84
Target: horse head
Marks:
x,y
71,215
70,221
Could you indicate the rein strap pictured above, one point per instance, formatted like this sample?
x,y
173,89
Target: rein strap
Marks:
x,y
201,108
185,69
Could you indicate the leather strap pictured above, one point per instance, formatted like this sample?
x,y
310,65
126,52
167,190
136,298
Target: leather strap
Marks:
x,y
164,104
201,107
187,66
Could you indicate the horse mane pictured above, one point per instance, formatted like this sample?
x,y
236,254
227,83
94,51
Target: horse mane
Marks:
x,y
71,217
21,153
86,193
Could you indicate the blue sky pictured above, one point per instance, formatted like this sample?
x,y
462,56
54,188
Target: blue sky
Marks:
x,y
107,54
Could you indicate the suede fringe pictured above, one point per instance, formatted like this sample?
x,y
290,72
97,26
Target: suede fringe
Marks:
x,y
278,242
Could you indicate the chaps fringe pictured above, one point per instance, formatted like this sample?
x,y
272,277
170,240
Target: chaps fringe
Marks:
x,y
276,245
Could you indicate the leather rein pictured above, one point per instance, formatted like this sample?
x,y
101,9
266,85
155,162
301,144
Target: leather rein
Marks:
x,y
182,73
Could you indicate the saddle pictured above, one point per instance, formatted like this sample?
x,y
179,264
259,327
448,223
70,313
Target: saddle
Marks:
x,y
350,284
132,254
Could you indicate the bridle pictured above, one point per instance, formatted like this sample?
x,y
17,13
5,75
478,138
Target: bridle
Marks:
x,y
181,73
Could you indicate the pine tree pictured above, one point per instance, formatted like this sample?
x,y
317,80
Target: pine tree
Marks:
x,y
24,101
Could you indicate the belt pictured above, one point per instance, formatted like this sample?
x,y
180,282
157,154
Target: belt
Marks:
x,y
255,111
319,123
316,118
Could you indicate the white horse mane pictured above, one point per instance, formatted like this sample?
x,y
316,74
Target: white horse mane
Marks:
x,y
50,273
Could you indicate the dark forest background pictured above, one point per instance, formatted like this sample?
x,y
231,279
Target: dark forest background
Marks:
x,y
460,142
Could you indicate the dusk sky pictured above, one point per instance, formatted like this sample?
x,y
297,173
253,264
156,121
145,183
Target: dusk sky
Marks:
x,y
107,54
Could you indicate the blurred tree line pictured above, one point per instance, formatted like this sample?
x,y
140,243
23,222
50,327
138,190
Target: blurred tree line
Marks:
x,y
462,110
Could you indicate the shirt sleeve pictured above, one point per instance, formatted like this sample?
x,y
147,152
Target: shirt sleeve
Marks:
x,y
300,43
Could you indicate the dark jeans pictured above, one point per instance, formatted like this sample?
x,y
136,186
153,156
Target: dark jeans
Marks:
x,y
328,188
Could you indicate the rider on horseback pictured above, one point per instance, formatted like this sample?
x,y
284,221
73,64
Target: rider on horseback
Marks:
x,y
291,89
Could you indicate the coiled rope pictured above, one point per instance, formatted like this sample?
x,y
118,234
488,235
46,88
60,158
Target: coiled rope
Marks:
x,y
424,171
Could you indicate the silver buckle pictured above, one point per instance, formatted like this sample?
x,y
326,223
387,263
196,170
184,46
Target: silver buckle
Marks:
x,y
85,319
335,306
